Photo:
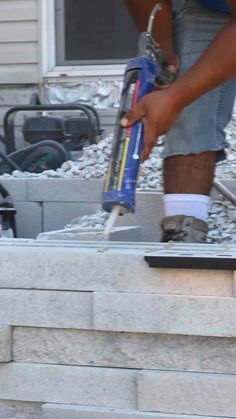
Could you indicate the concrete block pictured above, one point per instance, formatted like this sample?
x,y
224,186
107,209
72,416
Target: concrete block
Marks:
x,y
126,234
150,313
45,308
20,410
70,190
68,384
58,411
57,214
28,219
16,188
124,350
187,393
129,234
121,268
5,344
149,211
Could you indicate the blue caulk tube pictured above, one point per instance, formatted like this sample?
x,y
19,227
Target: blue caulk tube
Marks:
x,y
139,80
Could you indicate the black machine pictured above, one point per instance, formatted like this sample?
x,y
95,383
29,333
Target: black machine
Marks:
x,y
52,139
7,215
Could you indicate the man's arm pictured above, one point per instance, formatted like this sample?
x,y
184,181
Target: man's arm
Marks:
x,y
216,65
162,28
158,110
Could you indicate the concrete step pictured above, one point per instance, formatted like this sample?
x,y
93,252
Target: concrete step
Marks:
x,y
109,267
91,332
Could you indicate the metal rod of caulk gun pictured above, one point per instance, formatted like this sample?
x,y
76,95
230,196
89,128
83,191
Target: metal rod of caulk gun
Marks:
x,y
156,9
118,209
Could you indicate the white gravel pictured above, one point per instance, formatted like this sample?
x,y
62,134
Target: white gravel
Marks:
x,y
93,165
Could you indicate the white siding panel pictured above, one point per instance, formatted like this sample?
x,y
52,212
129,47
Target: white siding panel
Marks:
x,y
16,10
18,32
19,73
24,53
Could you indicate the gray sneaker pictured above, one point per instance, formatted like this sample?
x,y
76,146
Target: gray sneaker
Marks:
x,y
185,229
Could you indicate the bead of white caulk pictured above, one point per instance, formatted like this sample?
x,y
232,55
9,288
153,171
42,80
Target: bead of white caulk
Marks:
x,y
117,209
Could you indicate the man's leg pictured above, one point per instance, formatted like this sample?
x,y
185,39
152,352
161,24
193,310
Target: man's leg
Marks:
x,y
192,174
187,184
197,139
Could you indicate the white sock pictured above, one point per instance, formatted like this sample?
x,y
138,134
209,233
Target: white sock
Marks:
x,y
187,204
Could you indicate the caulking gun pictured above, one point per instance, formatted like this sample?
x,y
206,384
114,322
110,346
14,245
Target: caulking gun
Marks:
x,y
139,80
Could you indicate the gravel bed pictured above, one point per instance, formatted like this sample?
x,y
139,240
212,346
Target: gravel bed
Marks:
x,y
93,165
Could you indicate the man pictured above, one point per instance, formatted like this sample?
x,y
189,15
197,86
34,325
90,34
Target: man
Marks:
x,y
194,110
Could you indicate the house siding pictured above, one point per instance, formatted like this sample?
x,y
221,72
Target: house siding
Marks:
x,y
19,42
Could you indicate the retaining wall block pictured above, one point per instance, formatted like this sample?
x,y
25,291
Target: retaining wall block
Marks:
x,y
72,190
5,344
46,308
202,316
187,393
124,350
68,385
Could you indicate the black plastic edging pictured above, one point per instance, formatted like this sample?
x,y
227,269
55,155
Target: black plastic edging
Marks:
x,y
191,262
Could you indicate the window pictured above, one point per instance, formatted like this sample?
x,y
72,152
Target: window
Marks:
x,y
94,32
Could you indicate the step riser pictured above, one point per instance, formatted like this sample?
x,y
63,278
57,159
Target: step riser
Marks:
x,y
68,384
200,316
190,393
91,270
5,344
124,350
46,308
82,412
159,391
20,410
150,313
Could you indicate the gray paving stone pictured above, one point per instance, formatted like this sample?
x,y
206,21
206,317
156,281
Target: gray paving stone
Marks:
x,y
185,315
187,393
57,214
5,344
68,384
124,350
57,411
20,410
28,219
148,214
56,190
129,234
45,308
66,267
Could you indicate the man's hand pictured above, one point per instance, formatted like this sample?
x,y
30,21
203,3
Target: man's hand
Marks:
x,y
158,111
169,71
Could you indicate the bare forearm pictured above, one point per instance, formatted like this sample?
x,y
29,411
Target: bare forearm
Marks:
x,y
216,65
